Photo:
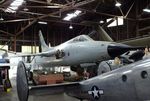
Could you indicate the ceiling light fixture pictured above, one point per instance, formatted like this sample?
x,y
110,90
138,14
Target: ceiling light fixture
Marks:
x,y
41,22
14,6
72,15
146,10
101,21
1,19
118,4
70,27
25,9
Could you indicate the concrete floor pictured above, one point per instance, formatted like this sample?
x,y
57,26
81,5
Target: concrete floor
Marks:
x,y
12,96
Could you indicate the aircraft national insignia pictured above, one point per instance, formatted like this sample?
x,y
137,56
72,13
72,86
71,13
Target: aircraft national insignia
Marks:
x,y
96,92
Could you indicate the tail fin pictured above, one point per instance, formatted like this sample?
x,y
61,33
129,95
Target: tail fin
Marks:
x,y
103,34
44,47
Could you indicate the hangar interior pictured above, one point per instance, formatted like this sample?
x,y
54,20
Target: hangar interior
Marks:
x,y
61,20
20,24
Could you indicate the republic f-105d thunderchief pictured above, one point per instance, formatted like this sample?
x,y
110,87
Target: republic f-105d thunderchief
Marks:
x,y
77,51
129,83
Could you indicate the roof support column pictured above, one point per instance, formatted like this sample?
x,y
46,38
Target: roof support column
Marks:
x,y
137,13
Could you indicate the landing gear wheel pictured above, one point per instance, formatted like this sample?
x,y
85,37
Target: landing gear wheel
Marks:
x,y
22,83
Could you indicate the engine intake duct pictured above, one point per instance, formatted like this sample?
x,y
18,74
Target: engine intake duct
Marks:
x,y
115,50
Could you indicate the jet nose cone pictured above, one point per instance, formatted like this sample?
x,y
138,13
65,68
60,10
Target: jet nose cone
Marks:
x,y
115,50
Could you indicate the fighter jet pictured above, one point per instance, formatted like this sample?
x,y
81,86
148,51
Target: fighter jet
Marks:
x,y
129,83
77,51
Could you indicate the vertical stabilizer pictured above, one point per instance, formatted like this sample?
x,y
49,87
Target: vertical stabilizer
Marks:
x,y
44,47
103,34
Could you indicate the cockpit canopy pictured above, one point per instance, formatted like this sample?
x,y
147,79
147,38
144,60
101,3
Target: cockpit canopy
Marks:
x,y
80,38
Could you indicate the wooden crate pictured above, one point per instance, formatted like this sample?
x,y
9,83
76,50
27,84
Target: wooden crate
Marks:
x,y
48,79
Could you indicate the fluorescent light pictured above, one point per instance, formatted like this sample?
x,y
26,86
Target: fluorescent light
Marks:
x,y
72,15
19,0
25,9
146,10
41,22
14,6
10,10
70,27
69,17
16,3
1,19
77,12
101,21
118,4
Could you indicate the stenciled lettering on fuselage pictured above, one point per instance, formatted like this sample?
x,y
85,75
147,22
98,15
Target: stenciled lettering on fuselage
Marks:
x,y
96,92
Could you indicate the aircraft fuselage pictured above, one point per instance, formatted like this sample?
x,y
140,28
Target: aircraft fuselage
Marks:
x,y
77,53
130,83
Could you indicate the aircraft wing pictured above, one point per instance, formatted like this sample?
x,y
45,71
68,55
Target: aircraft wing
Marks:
x,y
24,89
46,54
144,41
51,89
139,41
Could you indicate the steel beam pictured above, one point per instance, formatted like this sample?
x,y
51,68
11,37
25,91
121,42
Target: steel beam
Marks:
x,y
68,8
18,20
105,14
41,2
67,1
129,10
52,14
143,19
14,48
7,33
18,33
27,41
65,22
143,29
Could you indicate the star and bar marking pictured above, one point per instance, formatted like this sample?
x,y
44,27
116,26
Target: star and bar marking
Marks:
x,y
96,92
